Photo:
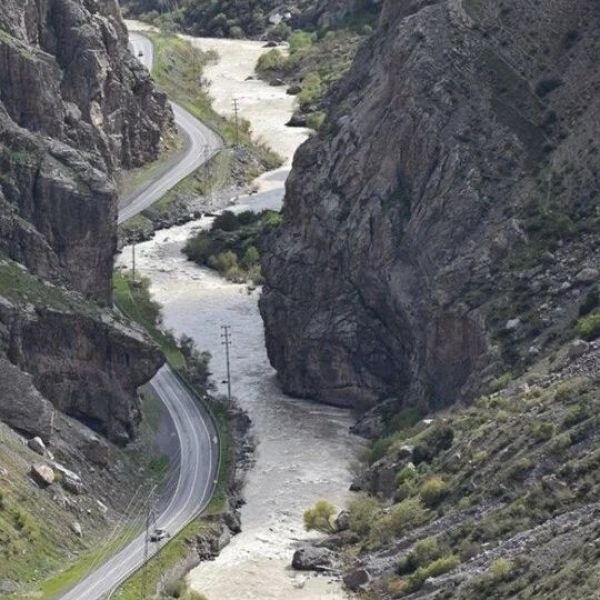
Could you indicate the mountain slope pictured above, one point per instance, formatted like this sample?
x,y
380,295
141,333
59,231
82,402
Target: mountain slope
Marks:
x,y
442,228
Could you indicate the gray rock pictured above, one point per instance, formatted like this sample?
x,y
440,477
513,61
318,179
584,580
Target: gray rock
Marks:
x,y
587,275
513,324
342,521
357,580
233,520
578,348
310,558
42,474
70,484
37,445
7,586
76,529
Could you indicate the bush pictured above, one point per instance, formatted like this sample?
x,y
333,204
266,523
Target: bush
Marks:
x,y
433,441
226,221
588,327
224,262
270,62
433,491
319,517
316,120
403,517
251,257
362,514
423,553
311,89
435,569
542,432
500,568
500,382
247,217
576,414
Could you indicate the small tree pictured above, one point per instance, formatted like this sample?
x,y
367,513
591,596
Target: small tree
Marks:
x,y
319,517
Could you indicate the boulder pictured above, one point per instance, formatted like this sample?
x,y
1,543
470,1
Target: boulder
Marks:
x,y
342,521
357,579
233,521
276,82
37,445
587,275
578,348
294,89
76,528
298,120
97,451
43,475
7,586
70,484
310,558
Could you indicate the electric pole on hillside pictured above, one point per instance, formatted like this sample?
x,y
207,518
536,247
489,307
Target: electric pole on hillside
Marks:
x,y
236,111
208,174
226,341
150,526
133,262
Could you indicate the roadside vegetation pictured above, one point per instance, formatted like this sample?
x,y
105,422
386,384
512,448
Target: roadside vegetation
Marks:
x,y
233,244
178,71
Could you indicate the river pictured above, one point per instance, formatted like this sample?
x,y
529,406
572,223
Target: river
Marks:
x,y
304,449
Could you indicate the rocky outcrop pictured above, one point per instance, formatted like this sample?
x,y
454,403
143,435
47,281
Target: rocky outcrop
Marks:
x,y
461,147
75,107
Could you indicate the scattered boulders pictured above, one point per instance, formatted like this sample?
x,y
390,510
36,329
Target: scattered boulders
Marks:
x,y
310,558
37,445
43,475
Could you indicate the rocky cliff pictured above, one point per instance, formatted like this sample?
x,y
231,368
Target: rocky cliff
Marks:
x,y
75,107
442,229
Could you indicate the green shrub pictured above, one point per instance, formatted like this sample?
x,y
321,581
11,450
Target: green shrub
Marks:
x,y
406,474
270,62
433,441
499,383
435,569
576,414
518,469
224,261
500,568
362,514
271,219
433,491
316,120
423,553
403,517
226,221
588,327
543,431
319,517
251,257
311,89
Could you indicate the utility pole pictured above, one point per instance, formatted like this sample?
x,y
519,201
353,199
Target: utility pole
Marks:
x,y
150,526
226,341
236,111
133,261
208,174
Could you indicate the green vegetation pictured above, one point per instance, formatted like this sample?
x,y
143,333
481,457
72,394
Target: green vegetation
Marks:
x,y
433,491
320,517
232,246
178,71
588,327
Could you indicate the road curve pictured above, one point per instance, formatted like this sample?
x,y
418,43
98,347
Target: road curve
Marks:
x,y
198,136
197,432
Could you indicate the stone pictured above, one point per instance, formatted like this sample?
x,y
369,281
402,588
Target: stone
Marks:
x,y
72,485
76,529
512,324
276,82
42,474
578,348
37,445
310,558
8,586
294,89
342,521
587,275
357,579
97,451
233,521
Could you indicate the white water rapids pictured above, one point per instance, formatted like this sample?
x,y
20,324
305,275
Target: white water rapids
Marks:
x,y
304,449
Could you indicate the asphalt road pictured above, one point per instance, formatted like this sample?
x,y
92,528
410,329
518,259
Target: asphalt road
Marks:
x,y
198,137
196,430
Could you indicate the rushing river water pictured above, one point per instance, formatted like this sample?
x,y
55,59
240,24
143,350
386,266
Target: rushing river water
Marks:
x,y
304,449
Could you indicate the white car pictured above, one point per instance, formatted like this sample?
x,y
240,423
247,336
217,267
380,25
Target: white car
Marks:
x,y
158,534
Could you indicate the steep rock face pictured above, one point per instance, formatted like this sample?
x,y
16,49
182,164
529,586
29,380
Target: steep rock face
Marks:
x,y
74,106
464,136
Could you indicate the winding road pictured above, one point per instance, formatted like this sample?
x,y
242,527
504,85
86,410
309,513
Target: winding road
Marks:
x,y
196,430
